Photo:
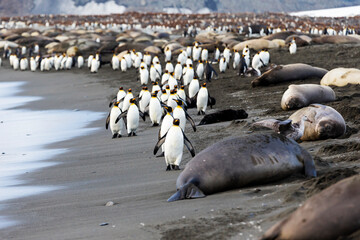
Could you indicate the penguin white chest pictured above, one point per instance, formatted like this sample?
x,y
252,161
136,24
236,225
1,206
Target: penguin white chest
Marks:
x,y
202,99
155,111
132,118
174,144
115,127
180,114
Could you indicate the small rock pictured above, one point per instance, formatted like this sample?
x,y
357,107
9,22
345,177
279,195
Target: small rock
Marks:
x,y
142,224
104,224
109,204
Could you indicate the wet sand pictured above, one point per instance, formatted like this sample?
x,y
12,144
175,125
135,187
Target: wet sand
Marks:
x,y
98,169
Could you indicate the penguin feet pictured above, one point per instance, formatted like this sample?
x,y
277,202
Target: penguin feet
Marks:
x,y
134,134
129,134
155,124
168,168
175,167
161,155
119,136
115,135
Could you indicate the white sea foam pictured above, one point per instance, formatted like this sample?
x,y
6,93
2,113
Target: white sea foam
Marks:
x,y
24,136
331,12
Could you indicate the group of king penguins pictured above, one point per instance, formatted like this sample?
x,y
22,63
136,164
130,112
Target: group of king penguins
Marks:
x,y
166,103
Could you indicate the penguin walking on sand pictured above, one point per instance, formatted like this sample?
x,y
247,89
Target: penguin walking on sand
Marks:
x,y
129,95
180,113
115,63
167,54
132,117
80,61
178,71
155,110
194,87
166,123
115,128
217,54
204,54
123,64
222,65
292,48
236,61
209,72
24,63
200,69
144,99
144,75
264,57
33,64
174,141
189,75
203,98
243,66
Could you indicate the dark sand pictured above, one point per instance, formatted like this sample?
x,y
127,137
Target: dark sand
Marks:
x,y
99,169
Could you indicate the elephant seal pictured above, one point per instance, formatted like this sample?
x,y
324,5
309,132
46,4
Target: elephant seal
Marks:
x,y
331,214
326,122
341,77
287,73
223,115
298,96
240,161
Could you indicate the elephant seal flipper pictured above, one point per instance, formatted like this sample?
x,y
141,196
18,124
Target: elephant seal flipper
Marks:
x,y
189,190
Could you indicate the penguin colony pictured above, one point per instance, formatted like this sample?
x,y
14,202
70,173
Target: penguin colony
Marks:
x,y
178,79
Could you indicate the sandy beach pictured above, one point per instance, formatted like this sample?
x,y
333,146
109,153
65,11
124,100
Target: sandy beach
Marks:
x,y
98,169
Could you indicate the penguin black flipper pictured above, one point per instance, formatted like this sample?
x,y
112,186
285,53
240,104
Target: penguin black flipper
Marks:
x,y
112,101
123,114
188,145
191,121
107,121
142,115
211,100
159,143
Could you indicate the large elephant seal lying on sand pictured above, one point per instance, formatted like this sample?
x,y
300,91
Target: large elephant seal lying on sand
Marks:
x,y
298,96
341,77
326,122
240,161
330,214
287,73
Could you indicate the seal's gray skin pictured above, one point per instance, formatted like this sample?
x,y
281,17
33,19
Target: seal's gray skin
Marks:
x,y
331,214
287,73
298,96
240,161
326,122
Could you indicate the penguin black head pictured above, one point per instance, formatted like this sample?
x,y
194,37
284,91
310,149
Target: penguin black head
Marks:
x,y
166,71
142,67
190,65
173,91
176,122
129,90
204,84
182,87
175,86
116,104
163,91
167,87
179,102
168,109
132,100
145,88
154,94
121,88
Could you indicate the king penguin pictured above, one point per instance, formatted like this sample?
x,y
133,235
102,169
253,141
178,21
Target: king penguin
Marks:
x,y
116,128
174,141
202,99
155,110
132,117
180,113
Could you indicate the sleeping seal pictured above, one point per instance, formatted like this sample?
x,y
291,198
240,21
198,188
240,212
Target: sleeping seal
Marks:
x,y
240,161
287,73
326,122
341,77
333,213
298,96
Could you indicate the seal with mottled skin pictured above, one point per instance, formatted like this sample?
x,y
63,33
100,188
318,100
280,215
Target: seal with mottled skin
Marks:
x,y
341,77
287,73
298,96
241,161
331,214
325,123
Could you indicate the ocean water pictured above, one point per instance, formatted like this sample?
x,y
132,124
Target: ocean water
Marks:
x,y
24,135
